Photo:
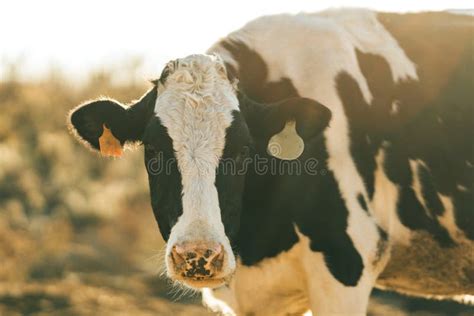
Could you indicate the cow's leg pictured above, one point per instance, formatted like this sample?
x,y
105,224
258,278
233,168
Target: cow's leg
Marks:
x,y
221,301
337,284
328,296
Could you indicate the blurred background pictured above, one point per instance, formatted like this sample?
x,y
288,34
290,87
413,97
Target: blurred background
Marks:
x,y
77,234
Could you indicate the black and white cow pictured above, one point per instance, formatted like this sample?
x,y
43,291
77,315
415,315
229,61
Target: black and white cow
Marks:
x,y
310,158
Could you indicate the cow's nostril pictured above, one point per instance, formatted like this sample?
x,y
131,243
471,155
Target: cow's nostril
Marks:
x,y
178,260
217,261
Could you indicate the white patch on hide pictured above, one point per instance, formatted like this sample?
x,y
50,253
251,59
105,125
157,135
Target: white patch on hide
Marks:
x,y
384,204
447,219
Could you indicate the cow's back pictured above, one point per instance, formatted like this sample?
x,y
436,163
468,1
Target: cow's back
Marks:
x,y
400,87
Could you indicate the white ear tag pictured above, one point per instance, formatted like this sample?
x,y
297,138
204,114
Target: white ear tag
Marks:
x,y
287,144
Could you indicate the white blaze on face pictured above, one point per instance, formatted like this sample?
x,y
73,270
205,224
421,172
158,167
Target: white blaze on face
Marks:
x,y
195,104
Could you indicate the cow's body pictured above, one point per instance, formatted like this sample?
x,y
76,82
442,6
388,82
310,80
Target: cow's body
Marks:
x,y
399,157
380,195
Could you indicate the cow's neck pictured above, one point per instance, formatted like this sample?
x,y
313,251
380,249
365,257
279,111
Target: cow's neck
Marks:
x,y
272,206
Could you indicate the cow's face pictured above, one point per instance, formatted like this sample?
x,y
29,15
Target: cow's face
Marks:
x,y
197,149
196,125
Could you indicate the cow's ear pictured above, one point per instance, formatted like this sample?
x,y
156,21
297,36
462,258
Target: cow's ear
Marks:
x,y
287,126
106,125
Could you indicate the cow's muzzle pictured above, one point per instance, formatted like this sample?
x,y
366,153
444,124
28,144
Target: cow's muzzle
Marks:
x,y
198,264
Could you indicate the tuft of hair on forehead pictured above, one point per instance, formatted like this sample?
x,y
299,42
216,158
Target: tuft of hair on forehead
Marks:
x,y
195,103
198,73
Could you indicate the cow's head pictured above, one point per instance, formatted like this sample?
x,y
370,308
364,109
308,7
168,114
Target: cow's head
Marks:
x,y
190,122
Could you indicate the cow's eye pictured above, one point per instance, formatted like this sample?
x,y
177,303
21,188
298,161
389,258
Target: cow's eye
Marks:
x,y
150,149
245,151
243,154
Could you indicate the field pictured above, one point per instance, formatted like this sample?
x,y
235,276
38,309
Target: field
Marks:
x,y
77,234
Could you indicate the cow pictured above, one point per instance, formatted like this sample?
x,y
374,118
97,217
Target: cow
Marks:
x,y
305,159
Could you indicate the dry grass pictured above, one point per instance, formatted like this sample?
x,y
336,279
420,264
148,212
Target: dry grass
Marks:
x,y
77,235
